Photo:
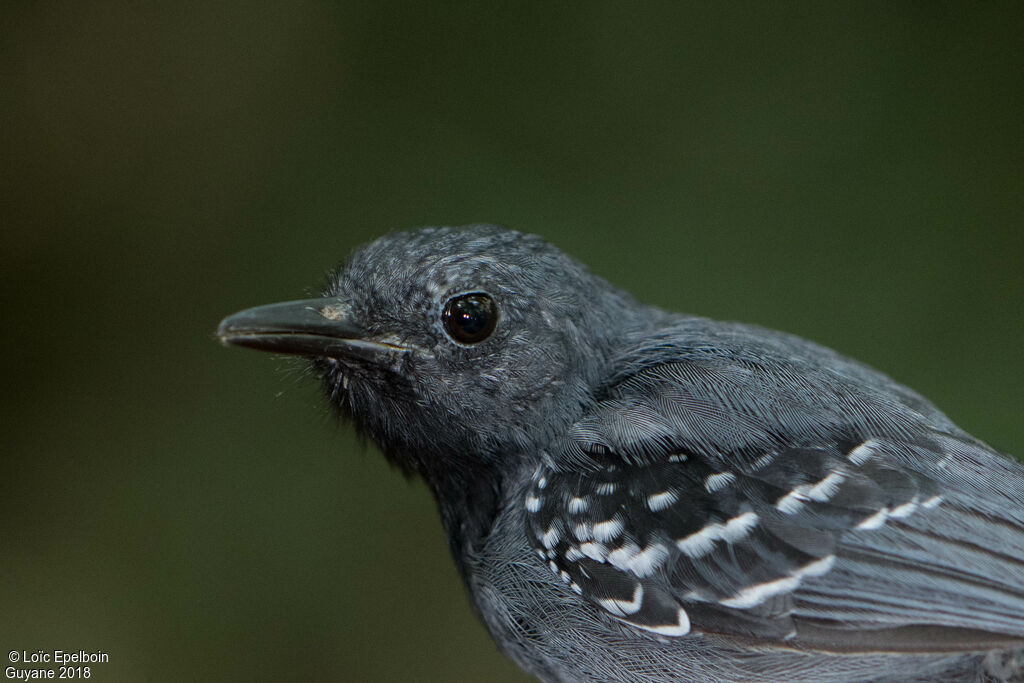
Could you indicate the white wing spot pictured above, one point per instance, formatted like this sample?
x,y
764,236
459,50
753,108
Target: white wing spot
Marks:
x,y
551,537
595,551
874,521
818,567
532,503
755,595
738,527
624,608
931,502
716,482
582,532
862,453
606,531
542,482
576,588
793,501
621,556
660,501
606,488
573,553
821,492
701,542
904,510
577,505
648,560
827,487
680,628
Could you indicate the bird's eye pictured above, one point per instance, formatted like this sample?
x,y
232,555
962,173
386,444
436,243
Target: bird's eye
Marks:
x,y
470,318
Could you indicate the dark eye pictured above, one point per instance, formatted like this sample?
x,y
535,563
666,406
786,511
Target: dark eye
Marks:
x,y
470,318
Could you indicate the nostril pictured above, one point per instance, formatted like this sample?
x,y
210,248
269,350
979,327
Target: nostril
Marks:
x,y
335,312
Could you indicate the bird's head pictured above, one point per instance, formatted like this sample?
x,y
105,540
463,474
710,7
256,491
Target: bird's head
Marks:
x,y
452,348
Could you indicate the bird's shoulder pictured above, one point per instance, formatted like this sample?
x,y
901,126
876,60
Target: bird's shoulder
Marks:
x,y
716,386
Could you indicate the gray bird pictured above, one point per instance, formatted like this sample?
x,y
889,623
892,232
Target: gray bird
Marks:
x,y
636,495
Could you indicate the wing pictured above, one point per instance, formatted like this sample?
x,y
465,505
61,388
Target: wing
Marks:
x,y
742,497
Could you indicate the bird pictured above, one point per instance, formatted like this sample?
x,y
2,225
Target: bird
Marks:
x,y
631,494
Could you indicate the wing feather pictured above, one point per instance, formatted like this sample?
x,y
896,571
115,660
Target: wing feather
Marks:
x,y
749,499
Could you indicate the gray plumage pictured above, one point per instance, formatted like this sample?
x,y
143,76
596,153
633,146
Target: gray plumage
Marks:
x,y
635,495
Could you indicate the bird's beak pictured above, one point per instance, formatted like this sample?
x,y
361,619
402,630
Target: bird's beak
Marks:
x,y
312,327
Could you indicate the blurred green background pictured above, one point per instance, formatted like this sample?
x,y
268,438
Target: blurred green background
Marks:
x,y
850,172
